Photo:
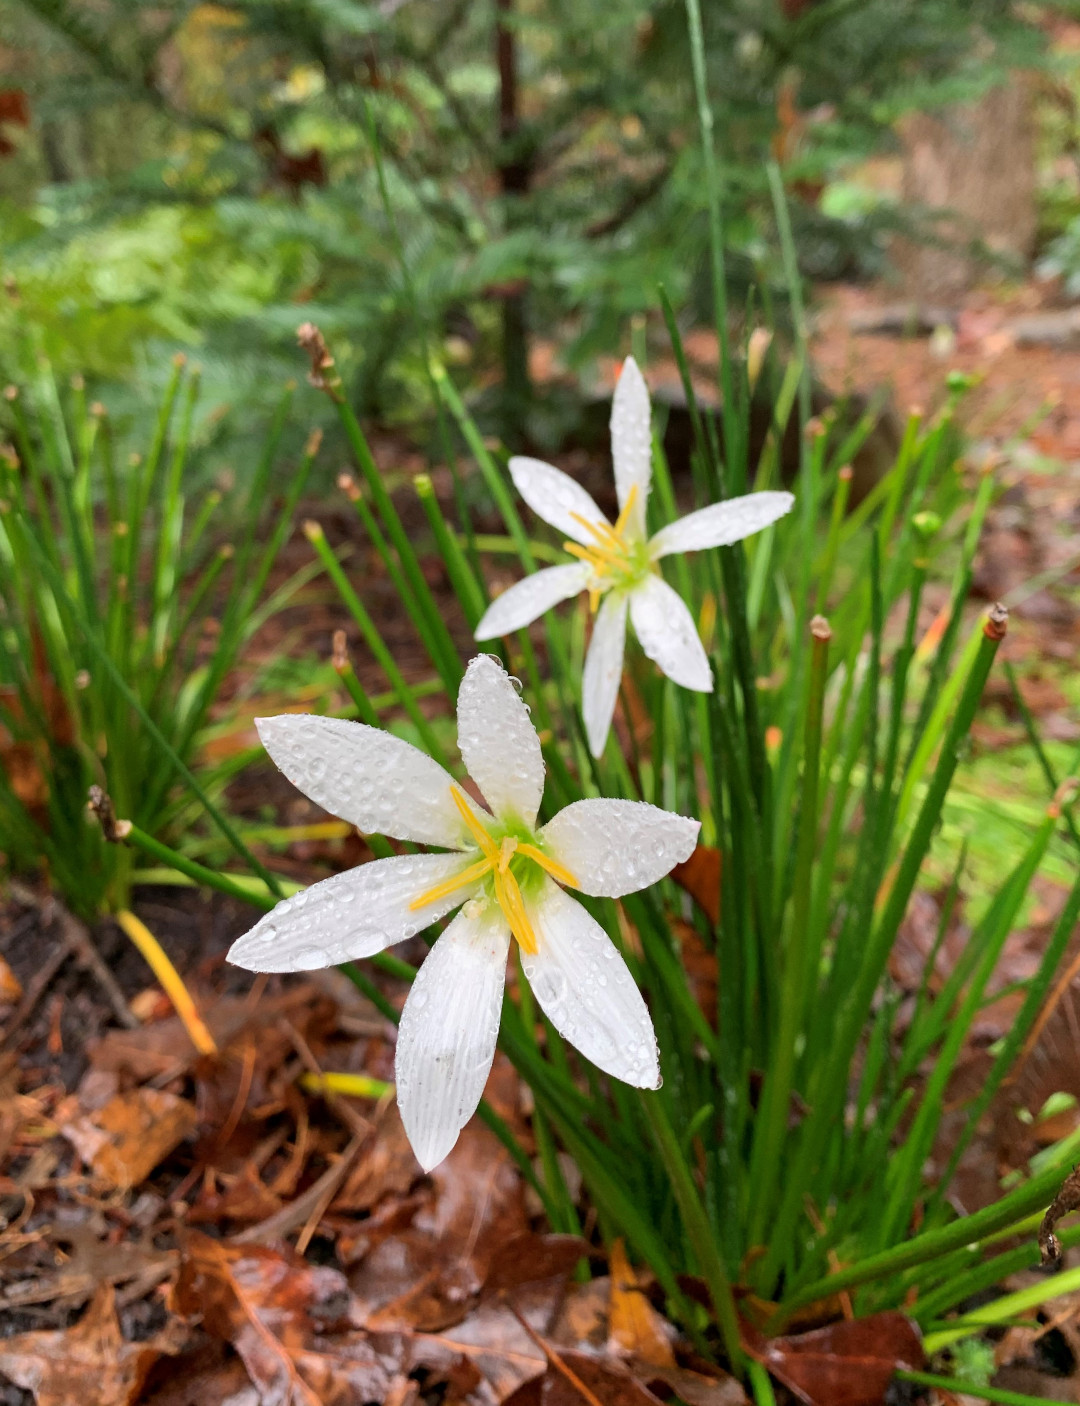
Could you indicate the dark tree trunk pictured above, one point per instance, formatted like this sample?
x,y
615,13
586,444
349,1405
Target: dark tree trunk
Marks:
x,y
976,164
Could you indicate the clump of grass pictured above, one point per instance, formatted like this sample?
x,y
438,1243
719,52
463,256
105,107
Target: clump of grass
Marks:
x,y
123,606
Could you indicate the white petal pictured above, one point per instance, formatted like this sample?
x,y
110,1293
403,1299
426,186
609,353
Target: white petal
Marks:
x,y
720,524
446,1040
371,778
668,634
354,914
617,847
527,599
603,670
631,441
554,496
587,992
498,742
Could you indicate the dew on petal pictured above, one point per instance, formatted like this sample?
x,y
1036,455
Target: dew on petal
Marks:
x,y
311,958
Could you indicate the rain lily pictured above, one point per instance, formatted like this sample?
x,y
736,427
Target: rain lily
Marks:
x,y
618,564
508,877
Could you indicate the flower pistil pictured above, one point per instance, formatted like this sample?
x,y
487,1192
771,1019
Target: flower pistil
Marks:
x,y
610,556
496,862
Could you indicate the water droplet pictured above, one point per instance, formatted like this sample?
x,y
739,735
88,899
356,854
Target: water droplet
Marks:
x,y
310,958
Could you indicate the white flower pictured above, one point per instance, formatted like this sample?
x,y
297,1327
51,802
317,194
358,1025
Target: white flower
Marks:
x,y
619,563
504,870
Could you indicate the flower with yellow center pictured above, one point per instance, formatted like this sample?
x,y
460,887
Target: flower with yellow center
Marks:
x,y
618,563
506,874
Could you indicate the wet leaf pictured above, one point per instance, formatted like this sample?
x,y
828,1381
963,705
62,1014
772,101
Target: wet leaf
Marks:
x,y
90,1361
386,1166
850,1363
636,1327
530,1258
611,1383
126,1139
246,1200
277,1311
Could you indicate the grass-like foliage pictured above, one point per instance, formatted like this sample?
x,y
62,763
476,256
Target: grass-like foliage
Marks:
x,y
791,1133
107,669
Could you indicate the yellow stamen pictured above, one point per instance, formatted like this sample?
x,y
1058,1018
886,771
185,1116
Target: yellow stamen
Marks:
x,y
600,531
496,861
479,834
554,868
628,506
510,901
599,558
474,871
594,600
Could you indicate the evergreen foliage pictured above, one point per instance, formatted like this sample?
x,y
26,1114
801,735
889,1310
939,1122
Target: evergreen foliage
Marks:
x,y
198,173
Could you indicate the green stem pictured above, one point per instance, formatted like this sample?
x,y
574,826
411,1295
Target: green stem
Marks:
x,y
373,638
953,1385
698,1229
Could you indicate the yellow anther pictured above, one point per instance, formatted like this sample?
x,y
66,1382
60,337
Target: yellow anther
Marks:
x,y
594,600
554,868
496,861
479,834
599,531
627,509
467,876
510,901
599,558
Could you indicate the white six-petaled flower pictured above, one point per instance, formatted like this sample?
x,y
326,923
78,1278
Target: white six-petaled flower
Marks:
x,y
618,562
507,875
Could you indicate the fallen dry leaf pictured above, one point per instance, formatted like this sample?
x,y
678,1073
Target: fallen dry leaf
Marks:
x,y
280,1313
125,1140
10,986
90,1361
849,1363
700,877
610,1382
636,1327
531,1258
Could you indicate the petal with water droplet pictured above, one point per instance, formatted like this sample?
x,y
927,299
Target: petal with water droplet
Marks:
x,y
631,442
616,847
376,781
668,634
721,524
498,742
603,670
354,914
556,497
446,1040
586,990
526,600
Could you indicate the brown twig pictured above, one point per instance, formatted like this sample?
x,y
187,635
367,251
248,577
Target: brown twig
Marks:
x,y
78,937
296,1213
554,1360
100,802
35,989
1067,1199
